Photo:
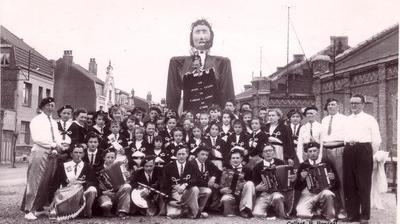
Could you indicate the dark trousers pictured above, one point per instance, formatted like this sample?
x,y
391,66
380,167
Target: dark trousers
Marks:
x,y
357,171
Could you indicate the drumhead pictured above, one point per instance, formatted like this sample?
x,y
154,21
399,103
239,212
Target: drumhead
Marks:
x,y
137,199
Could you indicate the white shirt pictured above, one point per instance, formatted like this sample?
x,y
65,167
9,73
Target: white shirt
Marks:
x,y
237,139
266,163
99,129
69,168
318,161
338,128
294,131
40,130
272,129
78,124
67,124
157,151
363,127
199,164
148,176
138,144
305,137
238,168
90,156
178,164
197,141
213,140
255,133
226,128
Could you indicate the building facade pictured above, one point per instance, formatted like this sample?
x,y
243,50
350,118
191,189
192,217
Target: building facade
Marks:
x,y
371,69
26,78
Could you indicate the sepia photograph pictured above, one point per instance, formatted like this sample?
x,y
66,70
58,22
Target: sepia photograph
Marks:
x,y
175,112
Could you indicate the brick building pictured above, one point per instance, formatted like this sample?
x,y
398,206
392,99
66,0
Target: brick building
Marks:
x,y
369,68
72,81
290,87
26,78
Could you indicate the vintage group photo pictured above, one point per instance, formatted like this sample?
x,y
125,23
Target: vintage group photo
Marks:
x,y
199,112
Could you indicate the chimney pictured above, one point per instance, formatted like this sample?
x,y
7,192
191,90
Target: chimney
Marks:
x,y
68,57
341,43
148,97
248,87
298,57
93,66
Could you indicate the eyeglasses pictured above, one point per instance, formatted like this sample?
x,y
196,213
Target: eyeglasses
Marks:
x,y
355,103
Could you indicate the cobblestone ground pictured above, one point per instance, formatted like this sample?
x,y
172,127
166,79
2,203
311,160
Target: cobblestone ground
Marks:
x,y
12,183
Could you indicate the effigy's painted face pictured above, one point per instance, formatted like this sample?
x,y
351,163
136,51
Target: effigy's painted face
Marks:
x,y
201,37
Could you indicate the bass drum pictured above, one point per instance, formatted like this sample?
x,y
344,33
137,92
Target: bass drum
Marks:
x,y
137,199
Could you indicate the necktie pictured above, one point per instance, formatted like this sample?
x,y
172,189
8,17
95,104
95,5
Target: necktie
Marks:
x,y
149,178
330,126
202,167
51,129
294,129
311,133
76,168
91,159
65,130
181,173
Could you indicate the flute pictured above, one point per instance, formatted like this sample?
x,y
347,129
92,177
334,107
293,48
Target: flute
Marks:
x,y
155,190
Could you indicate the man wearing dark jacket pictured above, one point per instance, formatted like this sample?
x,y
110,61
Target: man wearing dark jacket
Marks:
x,y
180,182
309,203
209,180
75,171
265,197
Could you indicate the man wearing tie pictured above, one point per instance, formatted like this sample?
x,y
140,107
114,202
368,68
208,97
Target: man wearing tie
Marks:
x,y
362,141
180,182
309,132
65,114
210,177
150,175
47,144
332,137
75,171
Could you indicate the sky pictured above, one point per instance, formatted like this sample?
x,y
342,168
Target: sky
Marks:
x,y
139,37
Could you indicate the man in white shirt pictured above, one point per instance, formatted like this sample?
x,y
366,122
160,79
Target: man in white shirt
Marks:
x,y
362,140
332,138
309,132
47,144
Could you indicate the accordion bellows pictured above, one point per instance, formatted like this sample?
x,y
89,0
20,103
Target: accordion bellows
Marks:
x,y
69,202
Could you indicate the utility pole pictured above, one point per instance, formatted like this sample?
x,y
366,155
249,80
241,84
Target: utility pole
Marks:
x,y
287,51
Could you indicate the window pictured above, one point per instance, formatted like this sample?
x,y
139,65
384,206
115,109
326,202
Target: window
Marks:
x,y
27,94
5,58
40,95
48,92
25,134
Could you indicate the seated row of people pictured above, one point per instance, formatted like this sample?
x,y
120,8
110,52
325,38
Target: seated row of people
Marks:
x,y
190,188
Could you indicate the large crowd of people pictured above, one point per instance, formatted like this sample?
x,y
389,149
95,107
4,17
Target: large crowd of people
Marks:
x,y
220,161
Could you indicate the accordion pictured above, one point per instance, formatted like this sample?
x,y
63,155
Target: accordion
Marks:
x,y
277,179
317,178
234,180
116,176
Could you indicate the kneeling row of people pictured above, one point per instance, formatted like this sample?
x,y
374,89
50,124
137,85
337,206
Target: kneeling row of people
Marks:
x,y
184,188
